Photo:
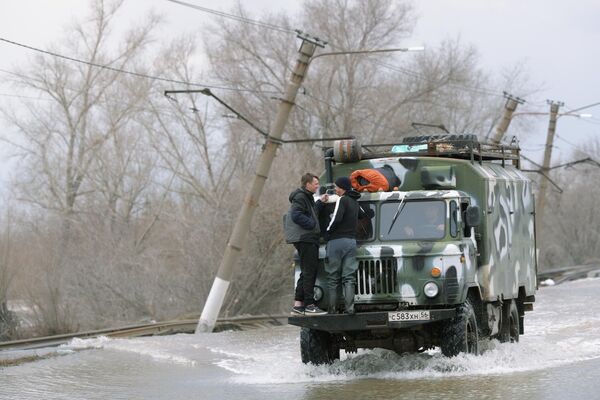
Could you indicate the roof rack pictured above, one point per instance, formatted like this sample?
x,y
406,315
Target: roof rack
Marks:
x,y
452,146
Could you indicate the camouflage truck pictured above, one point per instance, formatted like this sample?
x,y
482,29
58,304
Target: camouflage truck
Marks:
x,y
448,259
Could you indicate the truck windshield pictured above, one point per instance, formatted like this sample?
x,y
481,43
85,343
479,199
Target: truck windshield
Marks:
x,y
420,220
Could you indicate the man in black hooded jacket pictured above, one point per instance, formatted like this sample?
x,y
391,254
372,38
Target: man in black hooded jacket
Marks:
x,y
302,230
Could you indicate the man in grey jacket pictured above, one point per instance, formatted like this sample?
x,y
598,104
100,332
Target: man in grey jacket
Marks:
x,y
301,225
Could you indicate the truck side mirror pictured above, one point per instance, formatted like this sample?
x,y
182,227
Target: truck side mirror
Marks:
x,y
473,216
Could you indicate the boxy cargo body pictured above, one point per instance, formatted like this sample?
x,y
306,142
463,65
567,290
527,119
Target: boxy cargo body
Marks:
x,y
448,258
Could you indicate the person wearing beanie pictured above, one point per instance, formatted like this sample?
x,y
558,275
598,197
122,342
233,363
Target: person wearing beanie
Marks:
x,y
341,246
343,182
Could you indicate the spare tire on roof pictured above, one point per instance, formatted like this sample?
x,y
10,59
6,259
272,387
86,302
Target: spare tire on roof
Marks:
x,y
373,179
465,137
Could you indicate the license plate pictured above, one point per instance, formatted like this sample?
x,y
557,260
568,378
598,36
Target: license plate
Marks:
x,y
403,316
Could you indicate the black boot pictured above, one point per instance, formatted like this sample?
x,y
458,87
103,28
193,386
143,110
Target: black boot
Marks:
x,y
333,296
349,298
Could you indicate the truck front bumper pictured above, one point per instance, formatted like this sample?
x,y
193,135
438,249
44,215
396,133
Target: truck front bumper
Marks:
x,y
363,321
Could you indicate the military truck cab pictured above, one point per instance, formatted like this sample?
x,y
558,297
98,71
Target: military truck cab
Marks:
x,y
446,254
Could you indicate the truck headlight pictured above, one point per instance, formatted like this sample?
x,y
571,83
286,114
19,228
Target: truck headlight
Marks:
x,y
431,289
318,293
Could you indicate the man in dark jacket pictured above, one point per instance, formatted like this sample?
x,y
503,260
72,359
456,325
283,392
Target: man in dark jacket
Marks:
x,y
341,245
301,226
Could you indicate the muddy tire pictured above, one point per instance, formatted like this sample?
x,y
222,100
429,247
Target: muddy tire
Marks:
x,y
510,329
318,347
459,335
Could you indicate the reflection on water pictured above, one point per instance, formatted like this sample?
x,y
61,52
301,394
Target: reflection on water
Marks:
x,y
558,357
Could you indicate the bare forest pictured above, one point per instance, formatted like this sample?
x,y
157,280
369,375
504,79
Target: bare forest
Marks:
x,y
123,199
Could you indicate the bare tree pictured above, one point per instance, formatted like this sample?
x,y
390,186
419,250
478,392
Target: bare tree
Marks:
x,y
8,320
61,141
568,234
83,154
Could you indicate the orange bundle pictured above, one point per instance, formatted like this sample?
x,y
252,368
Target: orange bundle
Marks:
x,y
374,179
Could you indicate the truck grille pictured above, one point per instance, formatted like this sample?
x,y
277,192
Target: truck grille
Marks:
x,y
376,276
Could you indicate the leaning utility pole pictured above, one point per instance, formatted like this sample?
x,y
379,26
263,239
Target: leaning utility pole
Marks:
x,y
554,106
237,240
509,109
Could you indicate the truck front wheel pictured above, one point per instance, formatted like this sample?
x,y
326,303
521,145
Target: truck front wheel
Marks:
x,y
459,335
318,347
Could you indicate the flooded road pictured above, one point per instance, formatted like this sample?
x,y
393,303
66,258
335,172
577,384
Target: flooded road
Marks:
x,y
557,358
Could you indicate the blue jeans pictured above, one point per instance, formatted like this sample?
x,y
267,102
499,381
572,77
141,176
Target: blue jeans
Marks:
x,y
341,265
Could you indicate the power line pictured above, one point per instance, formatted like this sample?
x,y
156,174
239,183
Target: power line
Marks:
x,y
417,75
577,147
536,147
472,89
589,160
238,18
476,90
23,97
484,91
30,78
585,107
364,119
123,71
590,120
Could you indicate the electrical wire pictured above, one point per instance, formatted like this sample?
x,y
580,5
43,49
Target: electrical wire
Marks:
x,y
591,120
164,111
123,71
476,90
584,107
536,147
414,74
24,97
364,119
256,23
483,91
238,18
577,147
417,75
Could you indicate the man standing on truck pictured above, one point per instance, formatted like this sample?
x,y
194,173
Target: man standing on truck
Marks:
x,y
341,245
301,225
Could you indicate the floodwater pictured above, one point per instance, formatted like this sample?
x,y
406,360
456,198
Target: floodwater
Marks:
x,y
557,358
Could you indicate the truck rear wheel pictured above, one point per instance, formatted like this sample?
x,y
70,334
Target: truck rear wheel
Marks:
x,y
318,347
510,323
459,335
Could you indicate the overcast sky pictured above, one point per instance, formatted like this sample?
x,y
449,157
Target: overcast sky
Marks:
x,y
557,41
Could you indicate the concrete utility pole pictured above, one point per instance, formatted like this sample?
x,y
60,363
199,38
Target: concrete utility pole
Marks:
x,y
237,240
509,109
554,106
